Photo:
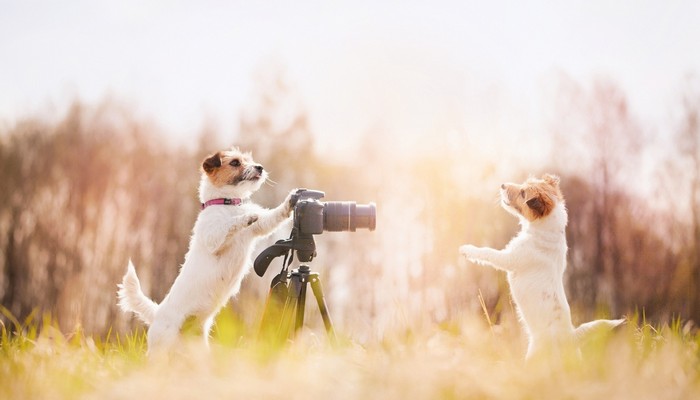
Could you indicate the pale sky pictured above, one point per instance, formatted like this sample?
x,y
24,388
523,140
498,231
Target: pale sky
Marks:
x,y
407,67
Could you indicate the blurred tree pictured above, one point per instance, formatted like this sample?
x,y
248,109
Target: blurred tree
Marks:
x,y
598,134
688,163
275,127
645,260
616,139
81,196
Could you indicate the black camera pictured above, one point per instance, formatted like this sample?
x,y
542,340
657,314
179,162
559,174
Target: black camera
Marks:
x,y
313,217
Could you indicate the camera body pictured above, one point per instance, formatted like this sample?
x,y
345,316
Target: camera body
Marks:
x,y
308,211
313,217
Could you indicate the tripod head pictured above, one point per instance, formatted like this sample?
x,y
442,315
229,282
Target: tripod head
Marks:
x,y
302,244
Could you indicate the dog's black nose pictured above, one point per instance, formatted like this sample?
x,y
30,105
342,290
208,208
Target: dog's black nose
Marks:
x,y
503,186
259,168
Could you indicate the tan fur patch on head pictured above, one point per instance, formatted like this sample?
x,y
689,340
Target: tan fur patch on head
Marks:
x,y
227,167
535,198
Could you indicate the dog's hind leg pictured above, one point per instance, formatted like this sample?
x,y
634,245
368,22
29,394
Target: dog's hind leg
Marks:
x,y
206,325
197,327
164,334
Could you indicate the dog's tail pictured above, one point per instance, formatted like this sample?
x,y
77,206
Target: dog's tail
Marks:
x,y
599,325
131,298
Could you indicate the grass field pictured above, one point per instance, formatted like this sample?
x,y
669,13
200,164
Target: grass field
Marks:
x,y
466,360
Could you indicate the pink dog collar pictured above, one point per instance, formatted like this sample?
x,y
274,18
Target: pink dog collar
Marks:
x,y
227,202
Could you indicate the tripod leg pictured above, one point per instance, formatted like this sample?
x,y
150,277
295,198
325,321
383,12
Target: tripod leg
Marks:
x,y
274,307
318,293
301,303
290,307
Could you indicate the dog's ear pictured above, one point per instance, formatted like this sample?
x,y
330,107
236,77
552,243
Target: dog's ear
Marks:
x,y
551,179
536,205
211,163
540,205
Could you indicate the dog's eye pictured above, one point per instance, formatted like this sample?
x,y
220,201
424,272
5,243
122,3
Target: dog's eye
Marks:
x,y
235,163
522,193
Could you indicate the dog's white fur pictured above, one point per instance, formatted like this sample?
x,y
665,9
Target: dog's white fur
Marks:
x,y
535,261
219,253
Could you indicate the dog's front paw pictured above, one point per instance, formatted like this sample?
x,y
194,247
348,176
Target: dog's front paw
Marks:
x,y
468,251
291,200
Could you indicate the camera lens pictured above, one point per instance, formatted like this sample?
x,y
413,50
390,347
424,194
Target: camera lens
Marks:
x,y
366,216
341,216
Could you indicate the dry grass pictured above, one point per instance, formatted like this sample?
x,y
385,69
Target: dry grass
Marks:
x,y
461,361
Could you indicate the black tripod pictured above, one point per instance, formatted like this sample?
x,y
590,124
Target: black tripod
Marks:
x,y
285,307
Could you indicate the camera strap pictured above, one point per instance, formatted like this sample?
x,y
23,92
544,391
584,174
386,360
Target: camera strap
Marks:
x,y
222,201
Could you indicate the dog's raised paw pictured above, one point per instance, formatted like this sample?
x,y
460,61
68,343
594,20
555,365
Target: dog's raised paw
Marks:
x,y
467,250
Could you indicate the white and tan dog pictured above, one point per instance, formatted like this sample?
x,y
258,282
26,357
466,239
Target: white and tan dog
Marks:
x,y
219,255
535,261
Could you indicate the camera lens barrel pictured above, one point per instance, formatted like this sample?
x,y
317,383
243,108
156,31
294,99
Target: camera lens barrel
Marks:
x,y
366,216
341,216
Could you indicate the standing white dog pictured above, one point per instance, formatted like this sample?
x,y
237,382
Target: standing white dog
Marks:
x,y
535,261
220,250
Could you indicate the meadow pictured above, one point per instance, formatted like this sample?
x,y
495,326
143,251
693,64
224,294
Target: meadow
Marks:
x,y
409,309
467,359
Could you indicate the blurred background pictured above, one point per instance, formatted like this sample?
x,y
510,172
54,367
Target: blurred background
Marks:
x,y
108,108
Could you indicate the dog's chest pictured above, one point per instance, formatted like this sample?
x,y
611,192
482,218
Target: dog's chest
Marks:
x,y
541,249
